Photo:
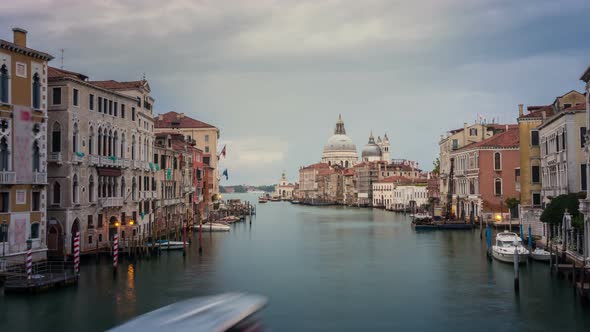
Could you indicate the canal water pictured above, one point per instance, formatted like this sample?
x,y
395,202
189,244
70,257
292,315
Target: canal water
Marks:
x,y
322,269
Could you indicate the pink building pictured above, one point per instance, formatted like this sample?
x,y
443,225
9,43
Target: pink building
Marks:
x,y
484,175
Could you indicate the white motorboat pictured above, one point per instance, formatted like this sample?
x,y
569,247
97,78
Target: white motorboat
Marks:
x,y
168,245
507,244
213,227
225,312
422,217
541,255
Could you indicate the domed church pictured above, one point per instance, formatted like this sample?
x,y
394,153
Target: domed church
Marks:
x,y
340,150
376,151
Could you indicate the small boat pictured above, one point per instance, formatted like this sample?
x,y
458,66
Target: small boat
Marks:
x,y
168,245
229,219
225,312
541,255
422,216
295,202
424,225
507,244
275,199
262,200
213,227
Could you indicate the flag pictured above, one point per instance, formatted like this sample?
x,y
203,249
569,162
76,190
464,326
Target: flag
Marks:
x,y
223,151
225,174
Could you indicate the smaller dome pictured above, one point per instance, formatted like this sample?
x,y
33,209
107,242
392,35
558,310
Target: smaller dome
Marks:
x,y
371,149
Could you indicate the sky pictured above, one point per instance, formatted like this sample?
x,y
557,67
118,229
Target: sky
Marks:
x,y
275,75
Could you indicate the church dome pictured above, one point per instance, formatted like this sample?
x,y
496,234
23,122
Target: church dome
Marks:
x,y
339,141
371,149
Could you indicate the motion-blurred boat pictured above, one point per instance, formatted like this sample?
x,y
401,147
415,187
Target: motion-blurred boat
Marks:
x,y
168,245
225,312
213,227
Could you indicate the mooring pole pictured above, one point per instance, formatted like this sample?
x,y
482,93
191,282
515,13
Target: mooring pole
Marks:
x,y
516,283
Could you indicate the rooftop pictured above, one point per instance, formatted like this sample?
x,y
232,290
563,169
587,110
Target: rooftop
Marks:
x,y
506,139
178,120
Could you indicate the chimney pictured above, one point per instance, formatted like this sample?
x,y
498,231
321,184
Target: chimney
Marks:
x,y
520,111
20,37
544,115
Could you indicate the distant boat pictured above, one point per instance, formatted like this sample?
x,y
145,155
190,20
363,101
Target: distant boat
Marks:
x,y
262,200
422,216
295,202
229,219
507,244
168,245
213,227
225,312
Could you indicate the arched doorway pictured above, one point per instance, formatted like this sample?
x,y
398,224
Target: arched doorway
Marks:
x,y
112,228
54,239
472,212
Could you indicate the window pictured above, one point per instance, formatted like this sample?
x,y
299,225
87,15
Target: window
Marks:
x,y
4,155
75,138
472,131
89,239
76,97
535,174
105,105
56,138
36,157
138,102
567,106
123,111
99,221
4,201
534,137
132,113
455,144
36,91
110,107
90,222
56,193
36,201
99,104
75,189
498,187
206,149
556,143
582,136
207,138
583,178
56,94
91,189
35,230
116,109
4,84
497,161
91,141
536,199
91,102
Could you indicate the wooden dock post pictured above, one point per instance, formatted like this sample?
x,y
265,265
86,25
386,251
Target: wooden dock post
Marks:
x,y
516,265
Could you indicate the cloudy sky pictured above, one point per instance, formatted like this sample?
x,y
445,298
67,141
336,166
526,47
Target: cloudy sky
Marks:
x,y
274,75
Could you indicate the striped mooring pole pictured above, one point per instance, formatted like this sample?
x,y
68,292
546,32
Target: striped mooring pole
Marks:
x,y
29,263
77,253
115,251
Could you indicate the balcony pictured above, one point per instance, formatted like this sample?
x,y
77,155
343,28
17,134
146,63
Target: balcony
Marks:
x,y
94,160
77,158
7,177
54,157
111,201
112,161
39,178
172,201
136,164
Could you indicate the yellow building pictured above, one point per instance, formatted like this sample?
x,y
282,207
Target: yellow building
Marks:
x,y
23,137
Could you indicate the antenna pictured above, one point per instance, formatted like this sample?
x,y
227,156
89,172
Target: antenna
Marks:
x,y
62,58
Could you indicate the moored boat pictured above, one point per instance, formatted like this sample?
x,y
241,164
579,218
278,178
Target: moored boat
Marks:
x,y
225,312
541,255
229,219
262,200
507,244
213,227
168,245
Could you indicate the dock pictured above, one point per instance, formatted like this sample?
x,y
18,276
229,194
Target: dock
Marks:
x,y
46,275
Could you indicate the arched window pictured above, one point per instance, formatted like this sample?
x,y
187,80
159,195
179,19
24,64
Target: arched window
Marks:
x,y
75,138
123,187
35,230
498,187
122,151
115,143
56,193
4,155
75,189
104,142
91,141
4,84
36,157
497,161
110,143
91,189
133,147
56,138
133,188
36,91
99,141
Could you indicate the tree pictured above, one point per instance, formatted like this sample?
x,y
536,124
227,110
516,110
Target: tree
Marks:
x,y
436,165
554,211
512,205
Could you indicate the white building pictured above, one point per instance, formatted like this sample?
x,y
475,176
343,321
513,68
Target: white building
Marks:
x,y
284,189
340,150
406,195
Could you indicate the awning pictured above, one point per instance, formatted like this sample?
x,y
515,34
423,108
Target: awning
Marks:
x,y
108,171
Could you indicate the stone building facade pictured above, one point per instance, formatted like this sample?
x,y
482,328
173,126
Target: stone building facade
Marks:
x,y
23,138
101,175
